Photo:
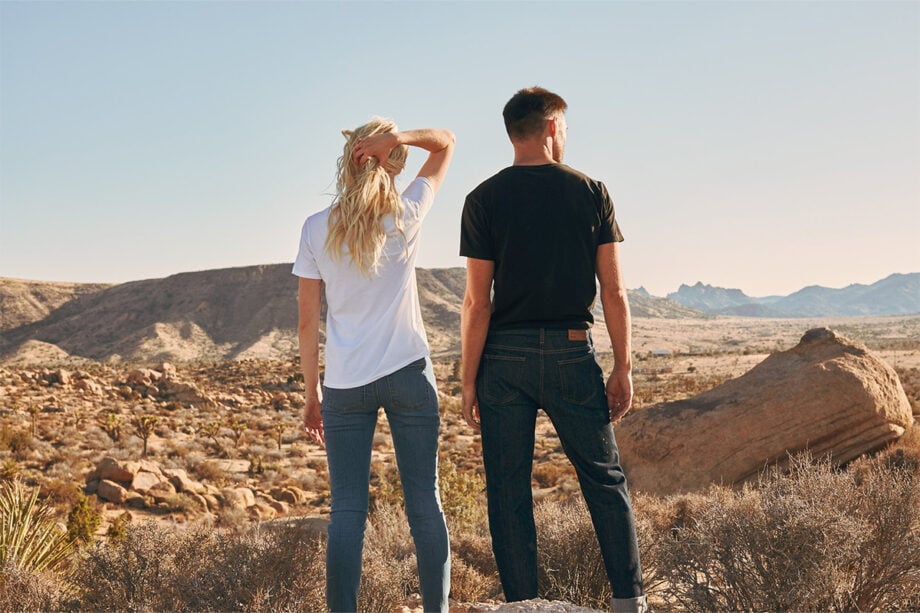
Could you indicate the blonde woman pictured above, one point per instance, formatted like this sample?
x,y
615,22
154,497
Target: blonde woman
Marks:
x,y
363,247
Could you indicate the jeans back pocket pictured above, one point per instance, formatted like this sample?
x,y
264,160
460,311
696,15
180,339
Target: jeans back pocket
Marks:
x,y
500,378
580,379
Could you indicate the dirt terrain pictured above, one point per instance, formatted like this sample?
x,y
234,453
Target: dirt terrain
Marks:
x,y
235,423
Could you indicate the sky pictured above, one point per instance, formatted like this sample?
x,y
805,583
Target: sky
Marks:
x,y
765,146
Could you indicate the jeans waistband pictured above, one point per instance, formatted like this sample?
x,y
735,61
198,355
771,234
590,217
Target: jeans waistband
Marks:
x,y
539,338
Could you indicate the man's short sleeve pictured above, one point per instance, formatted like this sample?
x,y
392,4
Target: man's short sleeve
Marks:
x,y
305,265
475,238
609,230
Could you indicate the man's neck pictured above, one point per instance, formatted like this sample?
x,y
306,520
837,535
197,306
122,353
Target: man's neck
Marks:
x,y
532,154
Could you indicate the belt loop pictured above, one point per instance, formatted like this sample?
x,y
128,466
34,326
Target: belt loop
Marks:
x,y
542,336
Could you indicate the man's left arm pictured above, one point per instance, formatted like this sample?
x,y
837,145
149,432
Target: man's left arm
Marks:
x,y
617,318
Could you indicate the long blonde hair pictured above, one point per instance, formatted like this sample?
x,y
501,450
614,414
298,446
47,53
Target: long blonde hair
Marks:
x,y
365,196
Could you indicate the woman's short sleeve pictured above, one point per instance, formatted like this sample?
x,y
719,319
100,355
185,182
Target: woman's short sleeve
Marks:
x,y
305,265
417,198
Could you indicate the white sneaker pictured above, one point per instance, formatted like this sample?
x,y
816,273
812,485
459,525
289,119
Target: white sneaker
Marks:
x,y
629,605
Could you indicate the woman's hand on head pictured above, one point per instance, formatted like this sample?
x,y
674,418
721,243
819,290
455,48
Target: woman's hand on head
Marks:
x,y
377,146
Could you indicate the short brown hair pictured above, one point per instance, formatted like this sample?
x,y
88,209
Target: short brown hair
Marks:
x,y
527,111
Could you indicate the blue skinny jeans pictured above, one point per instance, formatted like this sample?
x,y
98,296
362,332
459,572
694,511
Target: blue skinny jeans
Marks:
x,y
409,398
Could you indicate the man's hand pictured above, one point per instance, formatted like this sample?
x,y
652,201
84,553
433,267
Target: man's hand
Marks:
x,y
313,420
376,146
619,394
470,404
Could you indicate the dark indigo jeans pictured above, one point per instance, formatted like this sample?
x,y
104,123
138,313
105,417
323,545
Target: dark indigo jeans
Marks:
x,y
520,372
409,397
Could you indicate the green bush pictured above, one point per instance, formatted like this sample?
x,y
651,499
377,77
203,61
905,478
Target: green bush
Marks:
x,y
83,521
461,496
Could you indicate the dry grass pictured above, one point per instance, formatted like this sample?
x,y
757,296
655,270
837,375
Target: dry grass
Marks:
x,y
813,539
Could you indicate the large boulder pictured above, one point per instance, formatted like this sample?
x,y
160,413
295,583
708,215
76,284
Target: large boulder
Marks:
x,y
827,394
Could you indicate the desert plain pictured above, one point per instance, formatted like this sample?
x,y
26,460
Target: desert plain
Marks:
x,y
237,422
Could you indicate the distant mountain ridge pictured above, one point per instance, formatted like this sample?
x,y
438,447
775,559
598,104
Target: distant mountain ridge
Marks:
x,y
896,294
251,312
231,313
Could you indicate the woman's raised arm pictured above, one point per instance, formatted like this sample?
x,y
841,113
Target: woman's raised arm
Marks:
x,y
438,142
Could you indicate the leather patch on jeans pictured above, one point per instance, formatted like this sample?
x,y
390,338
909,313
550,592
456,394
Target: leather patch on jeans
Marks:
x,y
578,335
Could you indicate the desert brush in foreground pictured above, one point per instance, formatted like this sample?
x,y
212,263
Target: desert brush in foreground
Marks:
x,y
813,538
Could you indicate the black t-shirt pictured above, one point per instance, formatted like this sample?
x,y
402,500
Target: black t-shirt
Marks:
x,y
541,225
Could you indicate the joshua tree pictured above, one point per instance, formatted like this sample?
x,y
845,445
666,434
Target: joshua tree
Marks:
x,y
143,427
111,425
78,416
212,431
33,412
238,426
279,430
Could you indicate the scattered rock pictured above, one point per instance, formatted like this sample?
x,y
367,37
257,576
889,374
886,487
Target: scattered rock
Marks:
x,y
827,394
57,377
111,491
281,508
211,502
186,393
113,470
182,482
144,481
167,369
89,386
161,489
201,501
142,377
136,500
238,497
261,511
283,494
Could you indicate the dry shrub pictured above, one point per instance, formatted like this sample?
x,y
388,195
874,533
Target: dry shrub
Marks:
x,y
905,453
473,549
548,474
569,563
813,539
389,570
17,441
210,472
274,567
22,590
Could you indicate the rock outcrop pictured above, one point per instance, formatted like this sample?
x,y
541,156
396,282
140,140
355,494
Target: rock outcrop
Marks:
x,y
143,484
827,394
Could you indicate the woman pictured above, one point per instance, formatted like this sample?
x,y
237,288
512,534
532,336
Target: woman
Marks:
x,y
363,247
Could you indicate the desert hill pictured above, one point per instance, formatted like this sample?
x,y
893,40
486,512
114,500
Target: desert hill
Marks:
x,y
22,302
897,294
232,313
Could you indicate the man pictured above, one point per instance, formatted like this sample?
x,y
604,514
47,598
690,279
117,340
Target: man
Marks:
x,y
541,232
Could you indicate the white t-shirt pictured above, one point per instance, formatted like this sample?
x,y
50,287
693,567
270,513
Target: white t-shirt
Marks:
x,y
373,325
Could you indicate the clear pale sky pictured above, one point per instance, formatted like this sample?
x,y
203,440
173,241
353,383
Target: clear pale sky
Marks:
x,y
758,145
